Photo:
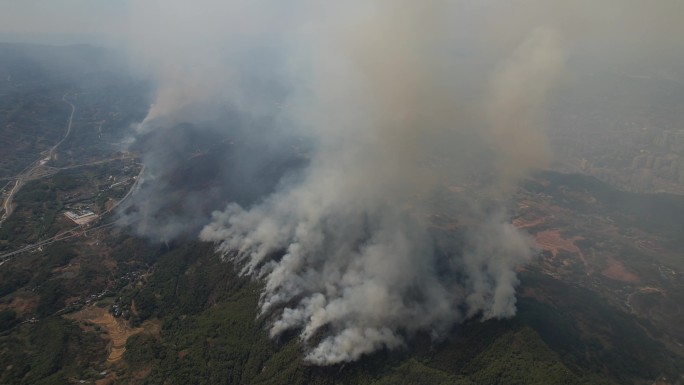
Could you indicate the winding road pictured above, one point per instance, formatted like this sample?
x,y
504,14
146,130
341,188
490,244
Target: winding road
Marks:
x,y
25,175
33,171
77,230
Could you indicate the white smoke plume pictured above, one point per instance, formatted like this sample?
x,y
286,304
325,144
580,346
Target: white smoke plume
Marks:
x,y
361,153
419,118
347,250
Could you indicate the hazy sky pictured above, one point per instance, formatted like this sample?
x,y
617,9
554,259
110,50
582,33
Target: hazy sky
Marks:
x,y
639,27
62,21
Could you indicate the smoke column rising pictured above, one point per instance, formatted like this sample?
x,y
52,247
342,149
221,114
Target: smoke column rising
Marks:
x,y
410,113
346,249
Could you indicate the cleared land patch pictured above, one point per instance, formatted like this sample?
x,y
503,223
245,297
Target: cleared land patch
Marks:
x,y
116,329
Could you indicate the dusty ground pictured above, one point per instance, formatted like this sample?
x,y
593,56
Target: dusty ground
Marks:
x,y
456,189
553,241
109,204
22,305
117,330
618,272
526,224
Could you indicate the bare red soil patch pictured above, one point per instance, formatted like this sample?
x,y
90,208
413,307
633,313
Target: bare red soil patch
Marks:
x,y
117,330
526,224
21,305
553,241
618,272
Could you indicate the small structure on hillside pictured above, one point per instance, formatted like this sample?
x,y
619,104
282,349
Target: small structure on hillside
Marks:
x,y
81,217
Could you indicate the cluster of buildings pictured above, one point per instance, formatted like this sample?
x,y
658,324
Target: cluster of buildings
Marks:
x,y
667,159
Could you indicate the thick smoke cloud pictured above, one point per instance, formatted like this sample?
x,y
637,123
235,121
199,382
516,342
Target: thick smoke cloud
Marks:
x,y
407,125
217,94
346,250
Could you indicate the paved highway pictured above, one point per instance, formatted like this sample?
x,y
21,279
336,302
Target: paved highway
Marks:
x,y
77,230
25,175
